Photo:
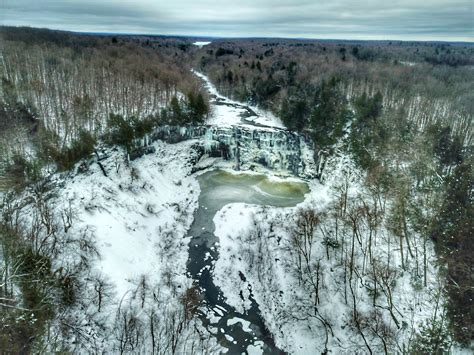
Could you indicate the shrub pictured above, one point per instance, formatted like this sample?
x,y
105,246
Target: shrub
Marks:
x,y
433,338
121,131
80,148
21,171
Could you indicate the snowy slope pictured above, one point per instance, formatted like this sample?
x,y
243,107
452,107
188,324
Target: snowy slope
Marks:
x,y
268,263
136,218
133,208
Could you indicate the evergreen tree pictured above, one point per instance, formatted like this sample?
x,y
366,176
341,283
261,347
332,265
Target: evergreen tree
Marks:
x,y
294,113
121,131
197,109
447,149
452,231
202,109
329,115
176,111
366,131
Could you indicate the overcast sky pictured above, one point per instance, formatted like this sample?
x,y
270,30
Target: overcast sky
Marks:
x,y
338,19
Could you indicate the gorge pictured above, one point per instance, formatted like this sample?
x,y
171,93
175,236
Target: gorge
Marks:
x,y
246,145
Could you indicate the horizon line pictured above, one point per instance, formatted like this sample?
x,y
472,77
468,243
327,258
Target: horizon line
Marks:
x,y
197,36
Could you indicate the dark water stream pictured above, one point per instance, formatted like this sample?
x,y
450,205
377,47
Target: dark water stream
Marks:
x,y
235,331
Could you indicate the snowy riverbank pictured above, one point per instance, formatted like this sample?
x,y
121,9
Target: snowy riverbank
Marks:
x,y
134,216
258,259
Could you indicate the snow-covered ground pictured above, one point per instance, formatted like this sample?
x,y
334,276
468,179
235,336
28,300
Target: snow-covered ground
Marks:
x,y
134,209
267,260
227,112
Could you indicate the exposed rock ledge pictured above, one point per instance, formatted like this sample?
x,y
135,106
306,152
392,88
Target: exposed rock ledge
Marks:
x,y
271,148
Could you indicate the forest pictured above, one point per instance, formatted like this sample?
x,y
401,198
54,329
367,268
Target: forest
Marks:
x,y
65,91
400,112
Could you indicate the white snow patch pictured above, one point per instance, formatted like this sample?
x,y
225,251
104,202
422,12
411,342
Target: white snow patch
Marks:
x,y
255,349
201,44
244,324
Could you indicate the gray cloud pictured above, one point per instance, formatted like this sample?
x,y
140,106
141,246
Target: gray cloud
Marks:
x,y
360,19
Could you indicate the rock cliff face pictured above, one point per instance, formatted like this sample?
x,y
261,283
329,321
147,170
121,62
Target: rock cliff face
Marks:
x,y
248,146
